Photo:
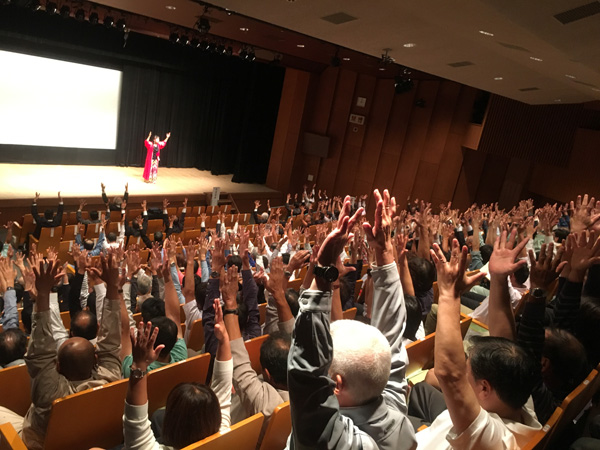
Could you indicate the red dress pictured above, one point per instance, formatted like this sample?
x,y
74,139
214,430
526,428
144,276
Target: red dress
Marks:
x,y
150,156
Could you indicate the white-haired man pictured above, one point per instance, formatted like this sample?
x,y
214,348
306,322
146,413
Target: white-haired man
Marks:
x,y
355,397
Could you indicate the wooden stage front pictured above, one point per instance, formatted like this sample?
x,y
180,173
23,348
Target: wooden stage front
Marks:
x,y
20,182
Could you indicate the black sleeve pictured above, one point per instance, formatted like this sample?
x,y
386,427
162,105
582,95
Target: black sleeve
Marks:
x,y
591,288
155,287
126,196
63,297
34,212
133,295
58,218
104,198
74,292
27,310
568,301
145,238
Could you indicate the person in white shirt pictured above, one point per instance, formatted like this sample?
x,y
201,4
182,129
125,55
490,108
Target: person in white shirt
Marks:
x,y
489,395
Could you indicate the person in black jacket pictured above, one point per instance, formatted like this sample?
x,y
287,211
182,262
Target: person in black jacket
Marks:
x,y
116,204
49,220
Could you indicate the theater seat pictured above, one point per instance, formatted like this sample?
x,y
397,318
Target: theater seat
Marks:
x,y
9,439
262,310
162,381
196,337
15,389
278,428
96,415
242,436
349,314
253,349
541,438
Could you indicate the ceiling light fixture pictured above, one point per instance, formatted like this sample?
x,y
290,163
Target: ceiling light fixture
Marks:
x,y
570,76
300,45
486,33
244,29
346,59
410,45
557,100
533,58
171,8
498,78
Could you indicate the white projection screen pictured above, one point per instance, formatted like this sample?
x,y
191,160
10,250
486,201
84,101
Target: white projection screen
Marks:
x,y
51,103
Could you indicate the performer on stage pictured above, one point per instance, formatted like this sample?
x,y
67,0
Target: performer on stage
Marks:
x,y
153,156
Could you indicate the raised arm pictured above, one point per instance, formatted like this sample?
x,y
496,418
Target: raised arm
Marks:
x,y
503,262
450,364
171,300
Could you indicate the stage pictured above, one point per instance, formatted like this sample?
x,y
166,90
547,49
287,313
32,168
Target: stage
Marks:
x,y
20,182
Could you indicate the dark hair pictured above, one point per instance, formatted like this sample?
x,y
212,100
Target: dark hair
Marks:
x,y
274,355
422,273
285,258
506,366
521,274
486,251
561,234
568,358
88,244
93,215
413,317
13,345
156,136
84,324
291,296
111,237
152,307
167,334
234,260
192,414
49,214
158,236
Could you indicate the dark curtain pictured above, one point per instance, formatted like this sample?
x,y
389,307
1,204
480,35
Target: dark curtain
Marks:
x,y
221,114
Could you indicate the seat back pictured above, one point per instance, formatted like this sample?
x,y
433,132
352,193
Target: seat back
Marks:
x,y
64,249
278,428
15,389
70,232
92,231
541,438
155,225
253,349
196,337
262,310
295,284
242,436
162,381
465,323
49,237
420,354
576,401
105,430
9,439
27,227
349,314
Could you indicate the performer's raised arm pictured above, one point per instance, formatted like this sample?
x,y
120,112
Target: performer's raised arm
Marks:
x,y
168,136
149,136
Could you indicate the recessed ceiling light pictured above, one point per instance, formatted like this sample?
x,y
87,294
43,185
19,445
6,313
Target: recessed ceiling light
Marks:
x,y
300,45
410,45
244,29
346,59
498,78
171,8
533,58
570,76
557,100
487,33
382,68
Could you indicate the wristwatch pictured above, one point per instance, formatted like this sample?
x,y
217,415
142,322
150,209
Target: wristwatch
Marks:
x,y
538,293
214,274
136,374
231,311
329,273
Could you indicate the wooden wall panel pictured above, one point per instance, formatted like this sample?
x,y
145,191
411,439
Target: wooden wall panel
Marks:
x,y
468,181
492,178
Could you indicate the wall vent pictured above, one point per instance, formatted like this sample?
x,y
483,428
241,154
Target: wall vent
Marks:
x,y
514,47
461,64
581,12
339,18
529,89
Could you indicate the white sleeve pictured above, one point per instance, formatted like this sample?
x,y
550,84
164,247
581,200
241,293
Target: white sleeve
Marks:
x,y
221,385
100,290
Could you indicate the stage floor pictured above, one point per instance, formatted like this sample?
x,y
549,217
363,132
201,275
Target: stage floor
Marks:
x,y
21,181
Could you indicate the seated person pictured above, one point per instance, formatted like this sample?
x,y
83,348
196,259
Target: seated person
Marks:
x,y
486,395
13,345
94,216
193,410
49,220
348,388
76,366
117,203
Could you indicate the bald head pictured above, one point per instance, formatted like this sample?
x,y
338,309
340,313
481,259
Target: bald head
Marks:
x,y
76,359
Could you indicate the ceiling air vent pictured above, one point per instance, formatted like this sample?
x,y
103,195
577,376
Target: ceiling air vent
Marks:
x,y
529,89
339,18
585,84
514,47
581,12
461,64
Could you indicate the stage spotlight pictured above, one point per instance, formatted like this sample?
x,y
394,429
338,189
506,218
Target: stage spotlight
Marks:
x,y
65,11
121,25
51,8
203,25
109,21
403,85
80,14
94,18
174,38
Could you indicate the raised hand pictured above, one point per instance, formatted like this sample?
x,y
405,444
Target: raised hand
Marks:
x,y
228,283
220,330
46,277
218,255
502,261
276,280
547,267
142,345
379,236
452,277
7,271
185,200
165,203
103,187
585,252
37,197
581,213
334,243
82,204
298,260
144,204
